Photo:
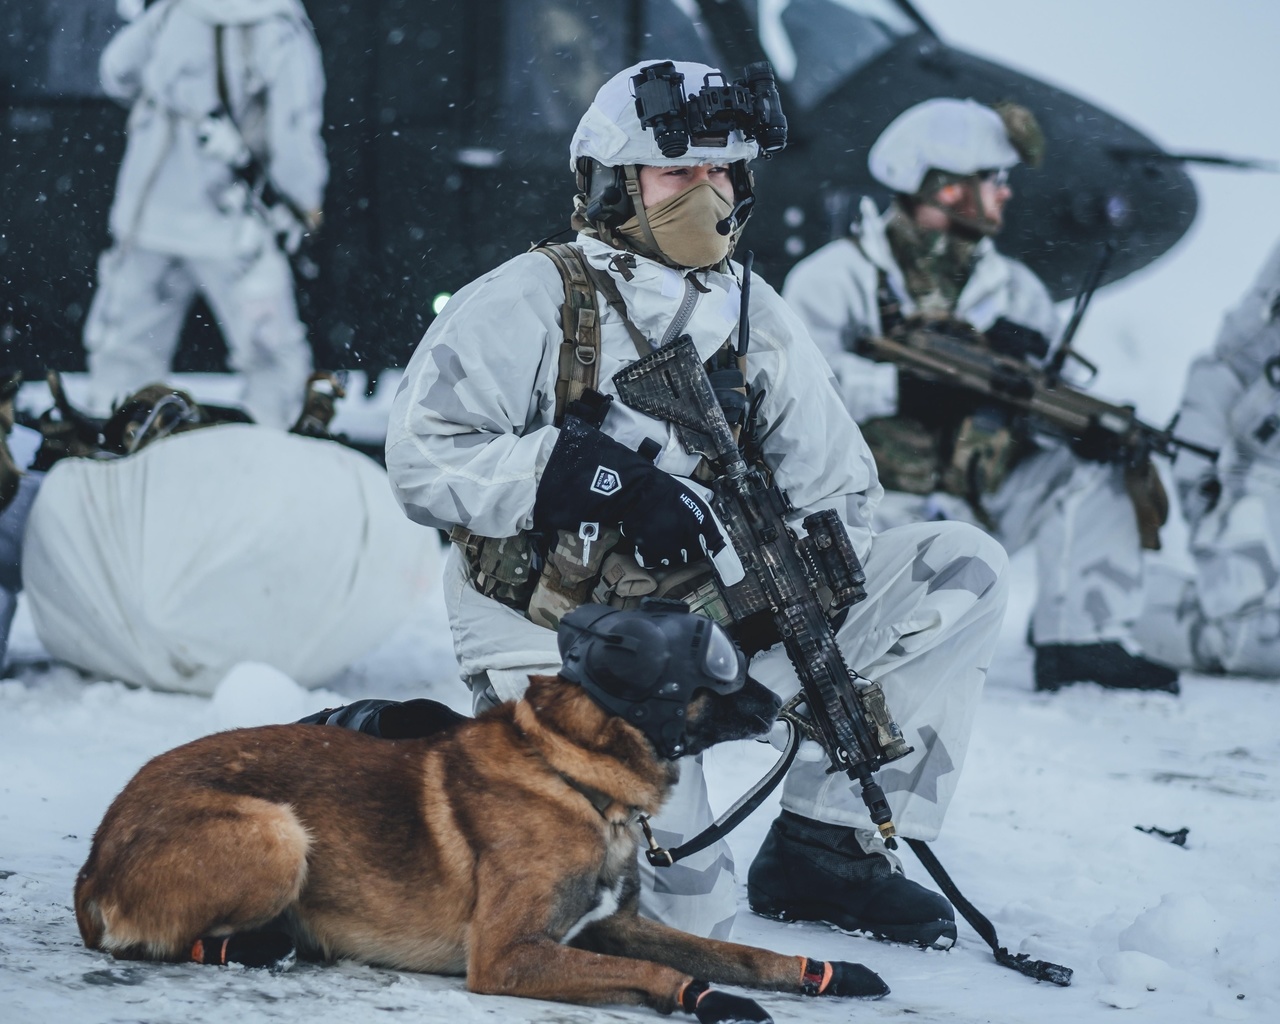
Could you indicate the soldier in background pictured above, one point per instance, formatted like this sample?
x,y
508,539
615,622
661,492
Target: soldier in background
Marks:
x,y
930,258
224,170
1226,618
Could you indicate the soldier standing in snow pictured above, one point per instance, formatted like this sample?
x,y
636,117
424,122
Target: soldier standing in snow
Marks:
x,y
930,258
224,168
1227,618
19,486
480,443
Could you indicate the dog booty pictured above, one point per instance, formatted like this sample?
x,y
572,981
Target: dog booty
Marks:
x,y
250,949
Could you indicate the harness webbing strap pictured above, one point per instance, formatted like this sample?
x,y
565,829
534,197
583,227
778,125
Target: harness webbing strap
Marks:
x,y
579,367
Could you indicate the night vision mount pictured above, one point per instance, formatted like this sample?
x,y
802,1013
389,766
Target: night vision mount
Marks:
x,y
751,105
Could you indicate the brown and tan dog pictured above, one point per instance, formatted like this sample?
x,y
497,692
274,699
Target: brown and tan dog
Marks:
x,y
502,848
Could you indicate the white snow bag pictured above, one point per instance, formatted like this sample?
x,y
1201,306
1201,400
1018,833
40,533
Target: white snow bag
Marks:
x,y
228,544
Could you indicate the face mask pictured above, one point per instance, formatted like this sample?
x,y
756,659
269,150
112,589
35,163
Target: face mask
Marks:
x,y
684,227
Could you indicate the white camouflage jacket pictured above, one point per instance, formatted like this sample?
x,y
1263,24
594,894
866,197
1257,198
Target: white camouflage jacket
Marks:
x,y
171,196
472,424
834,291
1231,401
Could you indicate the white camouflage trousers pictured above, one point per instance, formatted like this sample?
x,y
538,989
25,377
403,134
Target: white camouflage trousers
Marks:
x,y
936,594
141,303
1089,562
1224,616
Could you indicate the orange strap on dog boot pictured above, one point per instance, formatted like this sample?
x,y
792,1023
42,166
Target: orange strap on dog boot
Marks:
x,y
838,978
711,1006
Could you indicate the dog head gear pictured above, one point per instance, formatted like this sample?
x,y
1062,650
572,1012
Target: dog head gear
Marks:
x,y
674,114
646,665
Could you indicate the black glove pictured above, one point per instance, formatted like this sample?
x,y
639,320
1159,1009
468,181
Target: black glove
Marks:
x,y
844,979
711,1006
591,478
1095,444
1017,340
1201,498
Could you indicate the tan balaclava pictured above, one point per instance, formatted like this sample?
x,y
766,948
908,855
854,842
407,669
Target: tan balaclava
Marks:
x,y
682,228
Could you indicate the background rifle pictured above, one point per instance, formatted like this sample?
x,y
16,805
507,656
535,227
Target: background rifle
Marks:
x,y
796,581
949,352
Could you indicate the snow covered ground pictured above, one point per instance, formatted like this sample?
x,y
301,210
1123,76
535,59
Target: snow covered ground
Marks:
x,y
1042,836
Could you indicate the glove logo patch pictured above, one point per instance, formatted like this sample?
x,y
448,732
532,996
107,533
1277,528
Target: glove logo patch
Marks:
x,y
693,507
606,481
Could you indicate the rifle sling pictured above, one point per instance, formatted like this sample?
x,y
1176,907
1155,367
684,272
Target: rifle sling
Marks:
x,y
1041,970
255,166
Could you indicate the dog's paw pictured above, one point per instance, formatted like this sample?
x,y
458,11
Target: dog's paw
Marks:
x,y
839,978
716,1007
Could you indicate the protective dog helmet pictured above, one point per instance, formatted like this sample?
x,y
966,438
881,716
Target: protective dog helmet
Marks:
x,y
610,144
961,137
645,665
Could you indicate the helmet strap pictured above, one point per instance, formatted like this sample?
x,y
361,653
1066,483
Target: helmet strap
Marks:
x,y
633,190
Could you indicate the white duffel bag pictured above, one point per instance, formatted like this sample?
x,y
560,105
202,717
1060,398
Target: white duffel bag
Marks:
x,y
218,546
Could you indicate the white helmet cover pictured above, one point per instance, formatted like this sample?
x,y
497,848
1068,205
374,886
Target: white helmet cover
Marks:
x,y
610,130
958,136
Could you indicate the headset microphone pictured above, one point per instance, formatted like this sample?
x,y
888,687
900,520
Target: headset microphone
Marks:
x,y
737,216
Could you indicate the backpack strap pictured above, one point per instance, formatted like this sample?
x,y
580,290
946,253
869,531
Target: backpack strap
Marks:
x,y
580,323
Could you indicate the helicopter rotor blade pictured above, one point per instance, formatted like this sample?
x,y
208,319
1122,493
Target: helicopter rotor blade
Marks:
x,y
1212,159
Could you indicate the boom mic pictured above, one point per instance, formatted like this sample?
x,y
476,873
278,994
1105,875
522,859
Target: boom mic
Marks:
x,y
737,216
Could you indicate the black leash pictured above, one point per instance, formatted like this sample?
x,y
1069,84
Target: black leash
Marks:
x,y
1041,970
735,815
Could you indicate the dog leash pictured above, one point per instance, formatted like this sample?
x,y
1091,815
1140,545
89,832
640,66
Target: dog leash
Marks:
x,y
661,857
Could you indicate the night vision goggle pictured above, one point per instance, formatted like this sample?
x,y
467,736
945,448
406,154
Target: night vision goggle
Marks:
x,y
750,105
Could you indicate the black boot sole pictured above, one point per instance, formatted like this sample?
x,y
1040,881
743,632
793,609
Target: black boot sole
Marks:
x,y
936,934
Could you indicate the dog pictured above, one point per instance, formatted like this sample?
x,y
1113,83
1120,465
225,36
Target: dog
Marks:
x,y
502,848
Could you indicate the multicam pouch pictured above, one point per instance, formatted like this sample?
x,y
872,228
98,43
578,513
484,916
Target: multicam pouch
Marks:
x,y
906,453
984,453
500,567
624,583
568,578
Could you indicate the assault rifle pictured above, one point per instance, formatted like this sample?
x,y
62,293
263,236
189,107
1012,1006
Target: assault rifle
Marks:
x,y
950,352
797,581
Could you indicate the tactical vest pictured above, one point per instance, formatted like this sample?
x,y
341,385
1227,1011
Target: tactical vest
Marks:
x,y
545,581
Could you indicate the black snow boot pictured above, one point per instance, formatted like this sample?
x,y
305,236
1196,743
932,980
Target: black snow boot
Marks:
x,y
808,870
389,719
1107,664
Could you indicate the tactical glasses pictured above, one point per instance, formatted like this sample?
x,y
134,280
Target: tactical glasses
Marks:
x,y
997,176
